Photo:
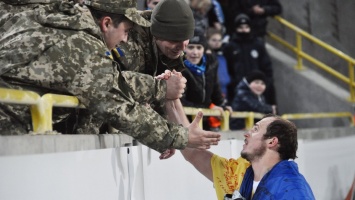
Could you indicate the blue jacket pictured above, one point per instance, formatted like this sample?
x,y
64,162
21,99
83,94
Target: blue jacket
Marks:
x,y
283,181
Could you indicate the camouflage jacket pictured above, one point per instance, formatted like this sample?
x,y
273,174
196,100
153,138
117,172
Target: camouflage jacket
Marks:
x,y
141,53
57,48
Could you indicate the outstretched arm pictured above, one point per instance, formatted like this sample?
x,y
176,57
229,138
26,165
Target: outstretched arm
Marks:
x,y
176,114
200,159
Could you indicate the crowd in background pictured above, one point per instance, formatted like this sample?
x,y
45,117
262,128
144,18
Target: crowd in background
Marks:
x,y
233,48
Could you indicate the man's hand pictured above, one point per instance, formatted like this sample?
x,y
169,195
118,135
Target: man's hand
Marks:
x,y
229,109
199,138
167,154
258,10
164,76
175,84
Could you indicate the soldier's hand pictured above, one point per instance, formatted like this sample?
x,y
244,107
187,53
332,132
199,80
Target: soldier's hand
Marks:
x,y
167,154
199,138
164,76
175,86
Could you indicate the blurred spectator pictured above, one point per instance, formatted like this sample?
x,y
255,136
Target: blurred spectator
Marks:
x,y
245,53
150,4
214,39
257,10
200,9
216,16
249,97
202,89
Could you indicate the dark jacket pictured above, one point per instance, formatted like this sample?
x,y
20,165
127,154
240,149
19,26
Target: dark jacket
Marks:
x,y
246,100
203,90
258,22
244,56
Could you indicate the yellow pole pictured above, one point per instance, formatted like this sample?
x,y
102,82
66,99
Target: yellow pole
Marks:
x,y
42,115
351,82
225,121
249,121
299,65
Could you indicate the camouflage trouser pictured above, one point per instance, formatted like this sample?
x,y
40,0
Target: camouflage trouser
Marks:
x,y
80,121
10,125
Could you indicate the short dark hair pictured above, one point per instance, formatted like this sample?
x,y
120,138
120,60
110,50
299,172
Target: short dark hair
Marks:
x,y
116,18
211,31
286,132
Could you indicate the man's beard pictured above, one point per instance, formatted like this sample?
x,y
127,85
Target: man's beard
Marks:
x,y
258,153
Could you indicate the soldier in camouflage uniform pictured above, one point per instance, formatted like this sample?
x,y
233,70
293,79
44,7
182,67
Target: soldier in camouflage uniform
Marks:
x,y
152,50
59,47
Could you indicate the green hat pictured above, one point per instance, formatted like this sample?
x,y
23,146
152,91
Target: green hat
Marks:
x,y
124,7
172,20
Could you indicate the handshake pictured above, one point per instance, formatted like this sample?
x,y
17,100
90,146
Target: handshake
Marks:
x,y
175,84
197,138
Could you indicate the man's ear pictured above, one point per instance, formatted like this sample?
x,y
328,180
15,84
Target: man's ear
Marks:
x,y
273,142
105,23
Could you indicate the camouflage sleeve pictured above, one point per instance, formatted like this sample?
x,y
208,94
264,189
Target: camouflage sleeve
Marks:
x,y
121,100
145,88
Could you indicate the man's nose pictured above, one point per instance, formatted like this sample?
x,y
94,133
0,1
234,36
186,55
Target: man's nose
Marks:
x,y
125,38
181,45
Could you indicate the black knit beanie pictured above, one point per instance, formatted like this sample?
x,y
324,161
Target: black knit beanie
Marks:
x,y
255,75
199,38
172,20
241,19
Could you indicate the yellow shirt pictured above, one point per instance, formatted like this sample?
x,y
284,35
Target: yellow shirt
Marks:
x,y
227,174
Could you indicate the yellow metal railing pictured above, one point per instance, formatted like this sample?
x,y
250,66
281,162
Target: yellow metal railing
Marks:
x,y
251,116
41,107
298,116
248,116
41,110
300,54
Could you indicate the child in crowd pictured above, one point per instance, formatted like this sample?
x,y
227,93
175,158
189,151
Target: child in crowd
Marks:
x,y
249,97
202,88
245,53
214,38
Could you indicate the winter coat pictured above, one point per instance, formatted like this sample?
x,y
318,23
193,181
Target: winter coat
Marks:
x,y
246,100
258,22
244,56
203,90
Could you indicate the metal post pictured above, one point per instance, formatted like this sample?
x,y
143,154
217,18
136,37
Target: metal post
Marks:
x,y
351,82
299,65
225,121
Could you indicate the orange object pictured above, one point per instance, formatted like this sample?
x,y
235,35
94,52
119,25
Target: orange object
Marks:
x,y
214,122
